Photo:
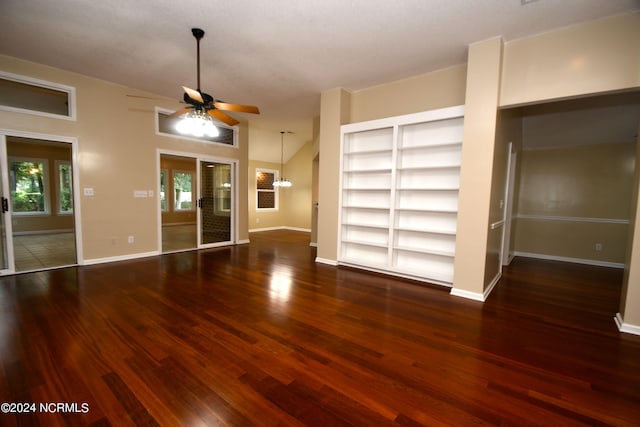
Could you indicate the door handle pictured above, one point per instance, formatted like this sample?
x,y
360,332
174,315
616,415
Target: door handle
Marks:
x,y
5,205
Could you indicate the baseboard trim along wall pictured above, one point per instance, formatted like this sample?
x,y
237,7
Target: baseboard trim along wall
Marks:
x,y
305,230
326,261
625,327
468,295
568,259
120,258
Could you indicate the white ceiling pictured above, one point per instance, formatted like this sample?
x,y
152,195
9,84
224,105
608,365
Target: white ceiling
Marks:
x,y
279,55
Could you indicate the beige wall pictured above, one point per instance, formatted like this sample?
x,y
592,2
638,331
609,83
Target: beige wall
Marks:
x,y
473,271
442,88
297,198
117,154
599,56
334,112
587,188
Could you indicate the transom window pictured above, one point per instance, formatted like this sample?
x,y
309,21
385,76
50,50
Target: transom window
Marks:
x,y
166,125
28,95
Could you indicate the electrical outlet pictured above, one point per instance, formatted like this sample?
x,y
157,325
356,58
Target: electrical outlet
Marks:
x,y
130,239
598,247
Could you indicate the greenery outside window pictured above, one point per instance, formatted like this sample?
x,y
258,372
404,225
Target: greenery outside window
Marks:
x,y
266,194
64,187
164,204
182,186
29,186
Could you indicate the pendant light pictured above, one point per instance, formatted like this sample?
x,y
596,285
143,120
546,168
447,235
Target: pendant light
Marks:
x,y
282,181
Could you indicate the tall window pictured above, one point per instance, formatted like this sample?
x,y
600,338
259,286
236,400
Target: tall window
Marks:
x,y
182,186
266,194
64,187
29,186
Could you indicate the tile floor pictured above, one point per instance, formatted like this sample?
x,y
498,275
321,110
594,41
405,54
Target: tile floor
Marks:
x,y
40,251
179,237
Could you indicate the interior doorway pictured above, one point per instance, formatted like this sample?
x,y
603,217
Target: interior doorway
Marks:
x,y
574,180
38,226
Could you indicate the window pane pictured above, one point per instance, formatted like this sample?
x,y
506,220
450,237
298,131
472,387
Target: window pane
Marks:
x,y
65,202
27,192
34,98
266,199
182,188
163,191
264,180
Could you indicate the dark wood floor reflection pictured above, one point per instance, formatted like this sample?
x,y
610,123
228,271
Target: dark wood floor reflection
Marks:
x,y
259,334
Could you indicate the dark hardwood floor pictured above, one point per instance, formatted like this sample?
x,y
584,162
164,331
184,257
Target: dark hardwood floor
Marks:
x,y
259,334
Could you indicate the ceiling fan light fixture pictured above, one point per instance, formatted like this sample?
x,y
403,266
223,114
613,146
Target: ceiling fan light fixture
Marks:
x,y
198,124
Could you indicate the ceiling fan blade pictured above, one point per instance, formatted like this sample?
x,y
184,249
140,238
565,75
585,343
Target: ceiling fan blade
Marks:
x,y
236,107
224,118
180,112
193,94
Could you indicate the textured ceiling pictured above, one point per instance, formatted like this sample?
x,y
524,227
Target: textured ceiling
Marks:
x,y
276,54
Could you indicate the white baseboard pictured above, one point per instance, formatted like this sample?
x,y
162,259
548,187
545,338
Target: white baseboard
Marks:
x,y
326,261
243,241
476,296
119,258
254,230
313,244
466,294
626,327
568,259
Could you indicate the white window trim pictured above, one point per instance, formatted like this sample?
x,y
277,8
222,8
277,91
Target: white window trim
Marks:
x,y
276,176
193,193
191,138
45,173
69,90
57,164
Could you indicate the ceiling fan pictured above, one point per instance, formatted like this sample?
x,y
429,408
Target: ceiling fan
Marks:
x,y
203,103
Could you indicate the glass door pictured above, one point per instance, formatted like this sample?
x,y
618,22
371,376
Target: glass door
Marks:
x,y
216,203
6,252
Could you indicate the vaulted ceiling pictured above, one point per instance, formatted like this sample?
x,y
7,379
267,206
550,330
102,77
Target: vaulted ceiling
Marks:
x,y
279,55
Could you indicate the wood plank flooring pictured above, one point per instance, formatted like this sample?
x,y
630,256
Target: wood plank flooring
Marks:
x,y
261,335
